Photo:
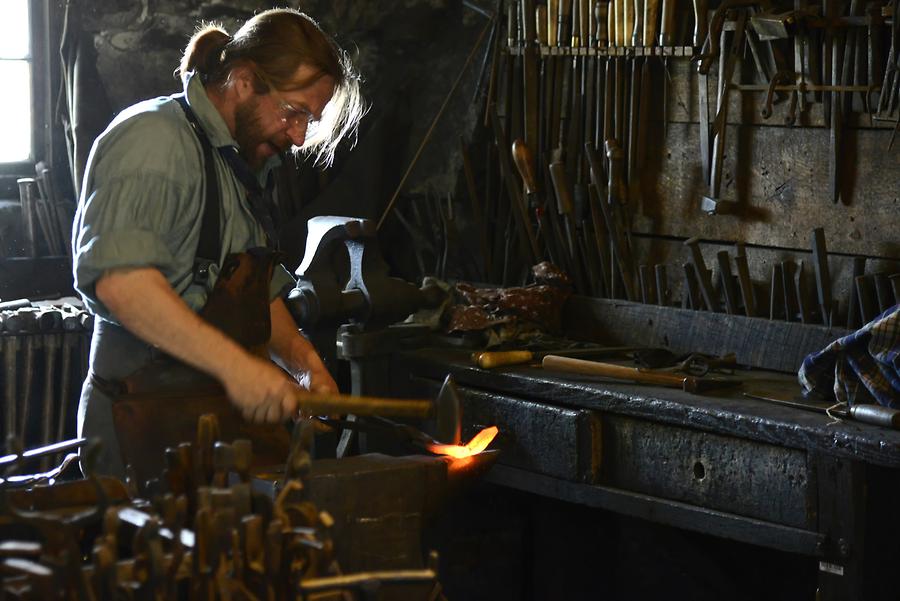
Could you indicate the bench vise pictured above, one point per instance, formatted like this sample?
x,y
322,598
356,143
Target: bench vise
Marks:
x,y
344,278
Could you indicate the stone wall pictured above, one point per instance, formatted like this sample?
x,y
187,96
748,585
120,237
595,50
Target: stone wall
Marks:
x,y
409,52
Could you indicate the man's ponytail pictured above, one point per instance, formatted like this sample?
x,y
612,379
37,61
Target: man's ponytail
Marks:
x,y
204,53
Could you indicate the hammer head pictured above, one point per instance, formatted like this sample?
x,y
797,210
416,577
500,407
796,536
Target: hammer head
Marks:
x,y
708,205
448,414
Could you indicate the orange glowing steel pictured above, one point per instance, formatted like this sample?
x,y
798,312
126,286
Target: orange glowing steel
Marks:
x,y
478,443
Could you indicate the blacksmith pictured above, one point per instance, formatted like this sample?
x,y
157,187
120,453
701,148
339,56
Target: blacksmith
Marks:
x,y
177,184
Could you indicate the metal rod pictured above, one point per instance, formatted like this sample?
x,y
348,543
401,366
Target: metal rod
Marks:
x,y
434,123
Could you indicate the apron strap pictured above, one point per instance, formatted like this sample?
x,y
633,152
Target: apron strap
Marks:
x,y
209,248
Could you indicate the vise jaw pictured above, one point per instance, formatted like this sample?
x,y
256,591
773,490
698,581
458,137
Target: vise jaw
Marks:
x,y
344,278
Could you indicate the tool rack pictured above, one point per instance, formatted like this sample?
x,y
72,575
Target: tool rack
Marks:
x,y
748,209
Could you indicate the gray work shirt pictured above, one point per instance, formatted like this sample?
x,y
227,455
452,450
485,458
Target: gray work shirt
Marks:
x,y
141,206
143,193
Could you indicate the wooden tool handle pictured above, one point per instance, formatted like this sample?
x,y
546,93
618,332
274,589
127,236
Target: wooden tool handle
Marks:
x,y
616,171
316,403
601,15
588,24
620,22
564,202
627,22
612,22
651,22
540,18
492,359
524,165
564,23
701,25
611,370
529,30
876,414
637,33
552,22
576,40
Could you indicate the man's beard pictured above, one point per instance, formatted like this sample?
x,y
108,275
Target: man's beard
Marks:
x,y
247,128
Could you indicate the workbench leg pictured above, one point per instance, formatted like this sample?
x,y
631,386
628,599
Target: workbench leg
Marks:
x,y
856,516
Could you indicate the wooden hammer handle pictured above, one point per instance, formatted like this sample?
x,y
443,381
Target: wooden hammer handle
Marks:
x,y
611,370
327,403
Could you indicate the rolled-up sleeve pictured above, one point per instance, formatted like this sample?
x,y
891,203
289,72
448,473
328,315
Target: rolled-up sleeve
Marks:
x,y
129,223
137,211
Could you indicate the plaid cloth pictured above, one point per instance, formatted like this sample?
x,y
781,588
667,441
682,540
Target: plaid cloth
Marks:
x,y
859,367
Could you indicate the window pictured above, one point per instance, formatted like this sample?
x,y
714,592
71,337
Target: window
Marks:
x,y
16,69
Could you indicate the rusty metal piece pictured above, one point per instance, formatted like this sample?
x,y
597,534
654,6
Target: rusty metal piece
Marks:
x,y
716,29
662,284
31,345
780,78
609,213
744,282
803,306
648,292
51,346
223,462
702,275
10,353
776,294
691,298
69,342
712,204
617,207
823,277
789,289
731,296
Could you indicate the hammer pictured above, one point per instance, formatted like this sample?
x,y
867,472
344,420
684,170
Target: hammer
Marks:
x,y
639,376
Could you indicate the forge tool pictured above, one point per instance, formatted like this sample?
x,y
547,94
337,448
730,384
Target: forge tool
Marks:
x,y
712,204
640,376
867,414
548,231
492,359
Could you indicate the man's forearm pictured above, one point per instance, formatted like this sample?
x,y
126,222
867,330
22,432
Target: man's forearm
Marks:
x,y
296,353
143,301
293,349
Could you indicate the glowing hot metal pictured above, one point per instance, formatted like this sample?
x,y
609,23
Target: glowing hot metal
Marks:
x,y
478,443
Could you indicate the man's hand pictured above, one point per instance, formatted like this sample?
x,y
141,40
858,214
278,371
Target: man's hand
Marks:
x,y
144,302
311,374
296,353
262,391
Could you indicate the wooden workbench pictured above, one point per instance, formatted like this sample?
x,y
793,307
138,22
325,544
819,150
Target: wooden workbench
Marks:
x,y
724,465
